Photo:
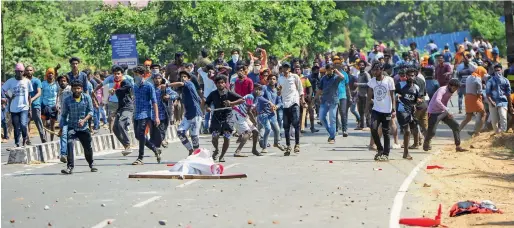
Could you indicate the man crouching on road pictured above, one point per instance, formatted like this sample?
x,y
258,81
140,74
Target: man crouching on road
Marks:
x,y
76,112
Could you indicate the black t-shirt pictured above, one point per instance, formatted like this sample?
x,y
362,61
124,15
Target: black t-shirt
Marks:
x,y
124,94
217,99
409,97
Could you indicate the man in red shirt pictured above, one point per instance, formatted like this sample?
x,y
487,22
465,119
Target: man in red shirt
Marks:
x,y
443,71
243,85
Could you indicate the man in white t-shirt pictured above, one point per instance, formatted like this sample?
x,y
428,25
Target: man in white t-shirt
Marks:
x,y
291,90
207,75
17,90
381,89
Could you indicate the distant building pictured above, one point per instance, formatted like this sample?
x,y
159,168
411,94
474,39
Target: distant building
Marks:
x,y
136,3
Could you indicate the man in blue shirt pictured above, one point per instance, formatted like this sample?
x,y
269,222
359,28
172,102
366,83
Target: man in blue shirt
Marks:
x,y
328,90
146,113
498,94
193,113
76,112
35,95
270,93
76,75
49,99
165,98
125,108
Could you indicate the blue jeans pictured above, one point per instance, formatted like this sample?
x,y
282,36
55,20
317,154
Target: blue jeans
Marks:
x,y
102,114
64,141
353,109
331,110
207,119
96,118
268,122
4,125
19,122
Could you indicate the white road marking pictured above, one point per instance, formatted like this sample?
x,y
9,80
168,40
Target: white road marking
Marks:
x,y
396,209
21,171
147,201
196,180
103,223
269,154
28,169
305,145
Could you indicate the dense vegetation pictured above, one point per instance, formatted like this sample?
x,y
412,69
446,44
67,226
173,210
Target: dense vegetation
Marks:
x,y
48,32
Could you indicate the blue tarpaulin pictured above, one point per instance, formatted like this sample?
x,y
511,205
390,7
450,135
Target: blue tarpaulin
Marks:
x,y
439,39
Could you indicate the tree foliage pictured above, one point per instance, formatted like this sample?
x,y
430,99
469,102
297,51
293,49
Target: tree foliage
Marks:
x,y
45,33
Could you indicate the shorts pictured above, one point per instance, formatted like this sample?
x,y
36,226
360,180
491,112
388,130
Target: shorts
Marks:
x,y
220,124
48,112
242,123
193,124
405,118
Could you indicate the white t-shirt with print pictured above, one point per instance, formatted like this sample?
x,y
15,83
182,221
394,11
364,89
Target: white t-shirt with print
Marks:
x,y
382,101
19,91
208,84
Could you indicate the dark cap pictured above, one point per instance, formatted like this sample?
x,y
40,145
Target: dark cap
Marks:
x,y
179,54
286,64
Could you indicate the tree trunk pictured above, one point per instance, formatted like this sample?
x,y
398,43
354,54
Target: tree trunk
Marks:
x,y
509,28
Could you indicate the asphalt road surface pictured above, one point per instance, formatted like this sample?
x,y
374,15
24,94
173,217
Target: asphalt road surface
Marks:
x,y
337,185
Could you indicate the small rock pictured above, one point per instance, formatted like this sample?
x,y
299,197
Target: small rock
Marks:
x,y
215,215
103,205
352,201
109,222
49,224
276,222
74,191
426,185
221,190
47,207
162,222
250,222
180,224
178,204
12,221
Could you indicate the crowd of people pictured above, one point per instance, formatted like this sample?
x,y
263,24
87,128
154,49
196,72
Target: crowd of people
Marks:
x,y
248,98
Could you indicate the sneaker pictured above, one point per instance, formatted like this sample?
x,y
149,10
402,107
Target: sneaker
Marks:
x,y
358,129
28,142
302,131
297,148
279,146
67,171
94,170
331,141
158,155
256,153
383,158
288,151
426,146
215,155
395,146
460,149
127,151
377,156
264,151
64,159
345,134
164,144
314,130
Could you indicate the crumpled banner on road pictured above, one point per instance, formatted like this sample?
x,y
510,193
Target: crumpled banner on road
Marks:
x,y
200,163
474,207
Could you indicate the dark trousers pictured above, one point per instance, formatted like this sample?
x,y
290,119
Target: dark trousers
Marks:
x,y
139,128
120,127
85,139
363,113
158,133
433,121
342,118
36,116
292,117
19,122
377,119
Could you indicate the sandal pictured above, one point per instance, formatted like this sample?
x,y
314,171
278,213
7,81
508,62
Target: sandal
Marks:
x,y
408,157
239,155
297,148
138,162
414,146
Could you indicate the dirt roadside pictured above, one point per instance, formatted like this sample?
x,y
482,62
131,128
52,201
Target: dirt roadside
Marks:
x,y
486,172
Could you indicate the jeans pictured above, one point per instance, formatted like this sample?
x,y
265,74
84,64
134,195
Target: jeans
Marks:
x,y
207,119
5,133
158,133
96,118
343,113
462,91
140,128
364,114
498,114
433,121
292,117
102,114
377,119
353,108
64,140
331,109
120,128
268,122
85,139
19,122
36,116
